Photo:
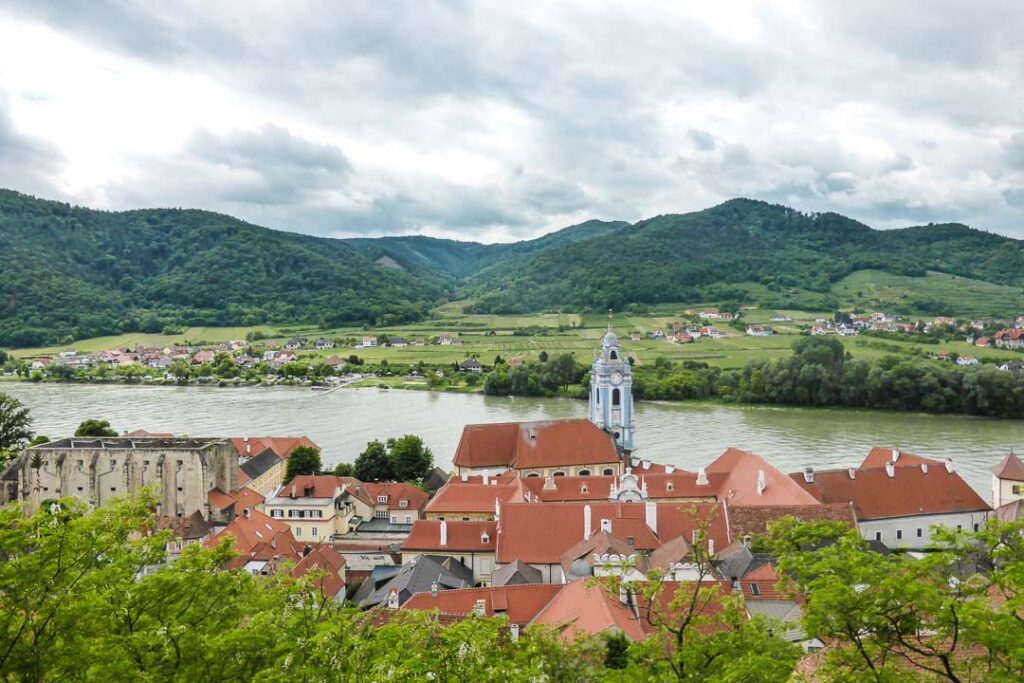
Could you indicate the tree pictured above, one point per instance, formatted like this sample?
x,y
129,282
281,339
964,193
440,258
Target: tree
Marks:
x,y
563,370
374,463
411,460
95,428
303,460
344,469
543,356
14,426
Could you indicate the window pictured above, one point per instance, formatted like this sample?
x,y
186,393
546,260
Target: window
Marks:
x,y
181,488
584,489
559,473
80,488
408,519
113,463
616,397
755,590
394,519
613,355
608,471
899,534
298,531
113,488
670,486
1018,489
583,473
380,514
382,499
533,474
975,526
959,527
403,504
878,535
277,513
314,532
920,532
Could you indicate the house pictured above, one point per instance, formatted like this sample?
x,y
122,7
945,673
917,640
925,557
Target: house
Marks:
x,y
398,342
263,544
635,336
967,360
296,343
711,332
307,506
269,355
819,330
41,363
781,318
658,334
537,449
393,586
324,344
471,365
369,342
1016,367
983,342
518,603
186,531
328,566
262,472
1007,481
472,544
681,338
203,357
715,314
335,362
898,504
464,501
759,331
1010,339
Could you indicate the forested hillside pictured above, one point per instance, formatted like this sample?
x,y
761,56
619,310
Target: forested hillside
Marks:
x,y
70,273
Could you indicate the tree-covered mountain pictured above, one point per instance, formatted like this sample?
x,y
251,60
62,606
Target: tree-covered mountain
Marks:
x,y
70,273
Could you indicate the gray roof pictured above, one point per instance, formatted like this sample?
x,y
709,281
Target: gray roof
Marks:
x,y
418,577
257,465
126,442
516,573
382,525
785,611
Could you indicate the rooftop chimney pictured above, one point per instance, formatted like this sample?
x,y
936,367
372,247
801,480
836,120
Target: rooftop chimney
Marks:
x,y
895,454
702,477
651,510
669,469
549,484
444,532
890,469
761,485
852,472
606,525
480,607
746,541
586,522
485,480
464,476
247,513
949,465
433,589
924,467
809,475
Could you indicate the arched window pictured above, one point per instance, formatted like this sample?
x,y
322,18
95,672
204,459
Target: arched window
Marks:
x,y
598,392
533,474
559,473
616,399
583,473
608,471
614,355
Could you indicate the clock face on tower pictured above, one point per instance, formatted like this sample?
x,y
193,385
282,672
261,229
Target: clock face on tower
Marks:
x,y
616,377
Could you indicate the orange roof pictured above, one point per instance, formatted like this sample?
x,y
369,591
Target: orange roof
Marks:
x,y
251,530
456,497
910,491
1010,468
521,445
582,607
767,581
281,445
519,603
678,484
878,457
219,500
752,520
311,486
742,470
539,533
462,536
323,558
396,492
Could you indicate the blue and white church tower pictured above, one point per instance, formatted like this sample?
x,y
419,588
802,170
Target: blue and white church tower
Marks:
x,y
611,391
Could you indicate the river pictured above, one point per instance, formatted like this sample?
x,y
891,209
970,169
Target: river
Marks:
x,y
684,434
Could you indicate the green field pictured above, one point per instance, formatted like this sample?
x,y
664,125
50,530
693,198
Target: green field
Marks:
x,y
961,297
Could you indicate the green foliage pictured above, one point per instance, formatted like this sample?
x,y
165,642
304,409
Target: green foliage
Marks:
x,y
344,469
95,428
401,459
303,460
15,427
533,379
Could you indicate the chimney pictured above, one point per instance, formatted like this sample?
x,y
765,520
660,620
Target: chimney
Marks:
x,y
890,469
586,522
433,589
711,546
949,465
485,480
248,447
761,485
895,455
702,477
746,541
809,475
549,484
924,467
444,532
480,607
464,477
247,513
513,630
852,472
606,525
669,469
651,510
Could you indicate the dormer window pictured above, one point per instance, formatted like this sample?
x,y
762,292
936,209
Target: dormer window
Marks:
x,y
670,486
584,489
755,590
403,504
382,499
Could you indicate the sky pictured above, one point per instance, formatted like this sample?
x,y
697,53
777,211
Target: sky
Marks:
x,y
500,121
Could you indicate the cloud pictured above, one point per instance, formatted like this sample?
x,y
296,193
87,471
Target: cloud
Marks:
x,y
487,120
25,162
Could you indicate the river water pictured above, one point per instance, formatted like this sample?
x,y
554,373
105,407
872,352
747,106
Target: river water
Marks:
x,y
684,434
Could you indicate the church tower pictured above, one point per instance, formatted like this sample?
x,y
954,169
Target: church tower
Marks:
x,y
611,391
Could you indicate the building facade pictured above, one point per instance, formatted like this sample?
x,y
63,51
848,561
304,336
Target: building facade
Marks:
x,y
611,392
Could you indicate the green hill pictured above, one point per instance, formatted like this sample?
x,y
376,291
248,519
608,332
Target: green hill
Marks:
x,y
73,273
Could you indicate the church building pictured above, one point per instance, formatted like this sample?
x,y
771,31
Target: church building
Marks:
x,y
611,392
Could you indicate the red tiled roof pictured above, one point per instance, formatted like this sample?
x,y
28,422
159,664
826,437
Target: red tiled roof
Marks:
x,y
678,484
582,607
311,486
877,457
519,603
753,520
539,533
910,491
462,536
325,559
742,470
767,581
550,443
187,528
1010,468
281,445
219,500
456,497
397,492
251,530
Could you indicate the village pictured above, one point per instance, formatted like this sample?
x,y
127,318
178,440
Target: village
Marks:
x,y
528,516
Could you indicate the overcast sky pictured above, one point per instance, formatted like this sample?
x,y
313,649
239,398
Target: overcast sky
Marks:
x,y
504,120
